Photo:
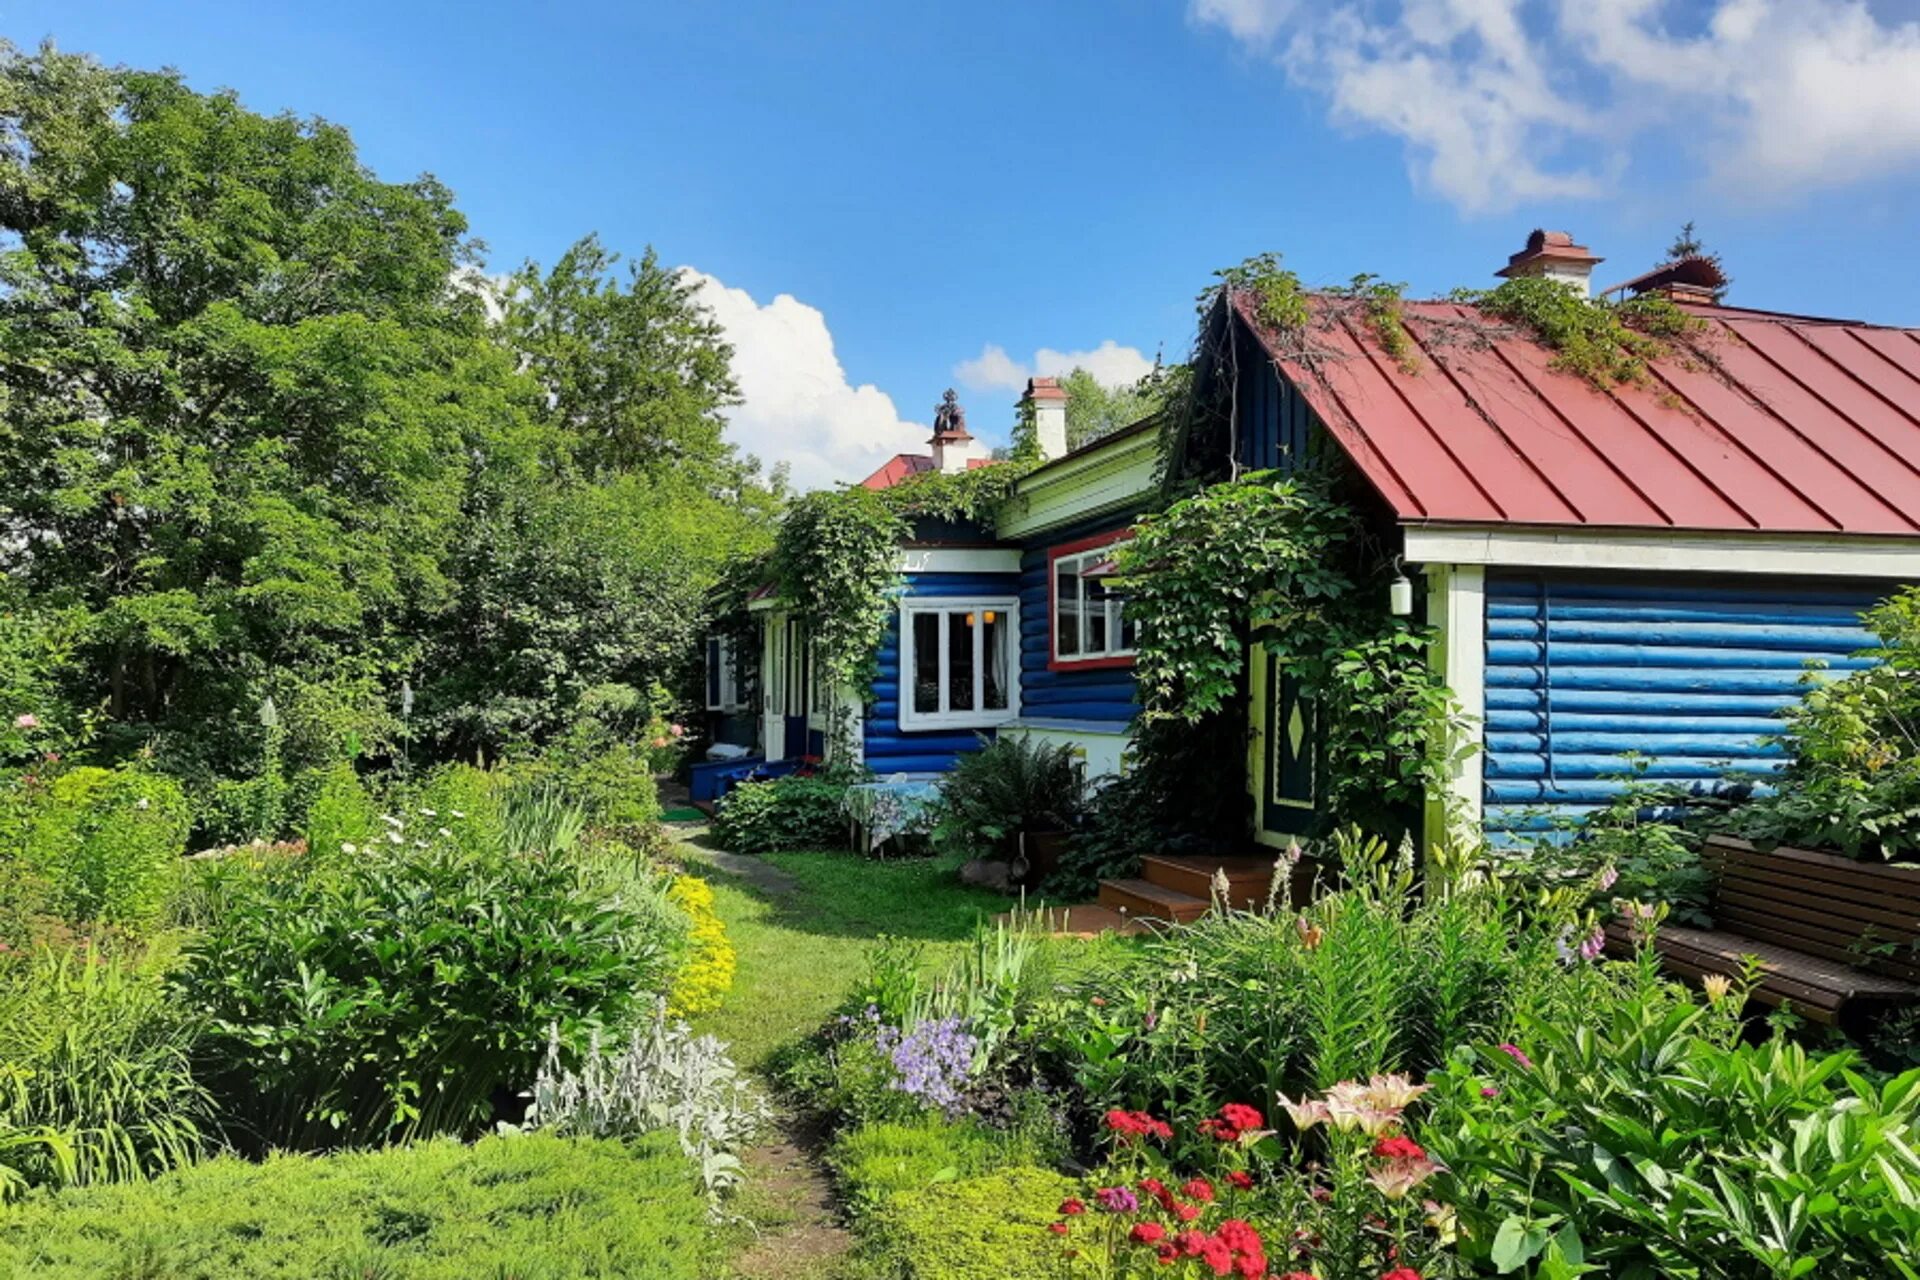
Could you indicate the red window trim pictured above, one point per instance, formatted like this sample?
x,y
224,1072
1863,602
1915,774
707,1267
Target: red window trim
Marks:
x,y
1074,548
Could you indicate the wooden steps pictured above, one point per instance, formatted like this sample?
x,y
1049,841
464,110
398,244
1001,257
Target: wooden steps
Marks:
x,y
1170,890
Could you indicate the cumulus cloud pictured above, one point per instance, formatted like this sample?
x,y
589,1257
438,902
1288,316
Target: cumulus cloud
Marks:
x,y
797,406
1110,363
1506,101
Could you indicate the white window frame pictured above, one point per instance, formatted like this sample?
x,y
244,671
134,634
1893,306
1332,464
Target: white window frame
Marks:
x,y
729,682
1115,605
980,716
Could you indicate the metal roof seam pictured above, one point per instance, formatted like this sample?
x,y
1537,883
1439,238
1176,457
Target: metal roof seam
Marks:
x,y
1486,417
1811,443
1439,440
1780,477
1691,411
1835,409
1586,440
1853,336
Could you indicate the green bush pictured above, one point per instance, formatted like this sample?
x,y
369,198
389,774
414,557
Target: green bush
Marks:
x,y
987,1228
96,1082
108,842
409,990
781,816
341,812
874,1162
532,1207
1648,1132
1852,780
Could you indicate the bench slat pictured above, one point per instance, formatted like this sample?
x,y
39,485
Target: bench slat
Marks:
x,y
1850,941
1882,879
1791,934
1764,883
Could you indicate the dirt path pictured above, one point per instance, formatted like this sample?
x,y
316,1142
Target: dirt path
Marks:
x,y
788,1196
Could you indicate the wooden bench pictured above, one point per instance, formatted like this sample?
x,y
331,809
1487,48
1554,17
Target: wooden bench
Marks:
x,y
1833,936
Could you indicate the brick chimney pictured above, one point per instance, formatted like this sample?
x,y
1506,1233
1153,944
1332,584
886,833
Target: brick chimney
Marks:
x,y
1046,400
1553,254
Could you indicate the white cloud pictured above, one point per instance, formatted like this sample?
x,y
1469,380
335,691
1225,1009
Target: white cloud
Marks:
x,y
797,405
1505,101
1110,363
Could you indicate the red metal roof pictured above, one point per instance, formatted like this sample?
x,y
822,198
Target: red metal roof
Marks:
x,y
904,466
1760,422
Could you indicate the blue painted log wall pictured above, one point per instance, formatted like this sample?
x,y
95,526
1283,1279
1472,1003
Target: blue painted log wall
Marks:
x,y
888,749
1104,696
1274,424
1687,671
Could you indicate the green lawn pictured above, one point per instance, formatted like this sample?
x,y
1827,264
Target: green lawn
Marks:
x,y
800,953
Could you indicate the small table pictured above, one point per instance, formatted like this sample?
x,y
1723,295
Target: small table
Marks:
x,y
881,812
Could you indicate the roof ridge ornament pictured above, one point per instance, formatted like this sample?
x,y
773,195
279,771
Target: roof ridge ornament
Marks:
x,y
950,420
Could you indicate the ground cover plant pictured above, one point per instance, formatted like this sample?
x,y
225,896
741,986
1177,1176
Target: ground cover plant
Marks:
x,y
533,1206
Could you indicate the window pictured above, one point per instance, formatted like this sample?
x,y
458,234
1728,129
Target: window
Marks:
x,y
1089,623
957,663
723,675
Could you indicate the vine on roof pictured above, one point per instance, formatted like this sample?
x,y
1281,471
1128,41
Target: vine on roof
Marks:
x,y
1605,343
1381,301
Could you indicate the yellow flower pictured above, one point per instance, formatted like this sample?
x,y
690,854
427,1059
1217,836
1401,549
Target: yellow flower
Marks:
x,y
1717,986
707,973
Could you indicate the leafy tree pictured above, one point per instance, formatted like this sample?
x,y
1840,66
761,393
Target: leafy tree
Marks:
x,y
636,376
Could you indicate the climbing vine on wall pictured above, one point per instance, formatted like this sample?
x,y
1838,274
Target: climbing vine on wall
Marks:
x,y
1281,561
834,563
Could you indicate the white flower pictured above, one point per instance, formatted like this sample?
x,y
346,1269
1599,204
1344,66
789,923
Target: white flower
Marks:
x,y
428,813
390,820
443,831
142,803
396,837
456,813
347,846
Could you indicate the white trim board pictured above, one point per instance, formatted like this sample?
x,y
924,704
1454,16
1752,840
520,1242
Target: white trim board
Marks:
x,y
1457,612
1680,551
959,560
1090,484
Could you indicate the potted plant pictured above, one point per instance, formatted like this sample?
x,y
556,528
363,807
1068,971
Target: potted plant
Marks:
x,y
1008,808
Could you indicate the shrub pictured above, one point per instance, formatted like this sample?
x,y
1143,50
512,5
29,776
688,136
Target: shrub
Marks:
x,y
409,990
987,1228
874,1162
1012,785
610,778
664,1078
96,1083
108,842
341,812
707,972
531,1206
1647,1138
1852,780
783,815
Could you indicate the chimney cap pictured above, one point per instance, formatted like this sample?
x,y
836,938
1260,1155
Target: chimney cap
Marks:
x,y
1695,276
1548,246
950,420
1045,389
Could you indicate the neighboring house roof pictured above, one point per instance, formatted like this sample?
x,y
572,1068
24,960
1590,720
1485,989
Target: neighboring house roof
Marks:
x,y
903,466
1761,422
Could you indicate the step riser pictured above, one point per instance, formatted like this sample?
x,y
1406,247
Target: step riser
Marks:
x,y
1242,890
1143,908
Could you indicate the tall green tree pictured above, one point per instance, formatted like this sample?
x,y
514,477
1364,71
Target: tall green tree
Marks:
x,y
239,403
1095,410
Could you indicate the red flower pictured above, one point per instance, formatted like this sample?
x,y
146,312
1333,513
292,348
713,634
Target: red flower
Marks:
x,y
1239,1237
1199,1189
1218,1256
1298,1275
1218,1130
1166,1255
1147,1233
1070,1208
1191,1242
1240,1180
1186,1212
1137,1124
1401,1273
1058,1228
1399,1148
1241,1116
1251,1265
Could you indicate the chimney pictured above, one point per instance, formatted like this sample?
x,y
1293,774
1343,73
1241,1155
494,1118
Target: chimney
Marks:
x,y
1046,400
1698,281
1553,254
953,445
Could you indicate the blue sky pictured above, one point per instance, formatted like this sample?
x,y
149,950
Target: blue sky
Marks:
x,y
886,200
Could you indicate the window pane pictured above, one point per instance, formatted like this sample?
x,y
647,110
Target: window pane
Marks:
x,y
998,647
960,661
1129,639
1066,595
926,662
1097,631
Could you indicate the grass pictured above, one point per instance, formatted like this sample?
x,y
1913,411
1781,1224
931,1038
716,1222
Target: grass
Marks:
x,y
529,1207
799,953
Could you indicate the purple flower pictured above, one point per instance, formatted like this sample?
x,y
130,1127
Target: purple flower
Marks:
x,y
1608,878
930,1062
1117,1200
1593,945
1489,1091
